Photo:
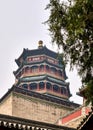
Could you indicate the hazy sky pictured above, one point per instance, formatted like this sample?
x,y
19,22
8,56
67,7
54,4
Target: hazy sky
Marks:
x,y
21,27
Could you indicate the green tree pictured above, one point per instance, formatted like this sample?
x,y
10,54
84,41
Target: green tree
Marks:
x,y
71,26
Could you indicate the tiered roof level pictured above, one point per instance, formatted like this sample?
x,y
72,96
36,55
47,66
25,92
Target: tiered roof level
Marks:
x,y
39,70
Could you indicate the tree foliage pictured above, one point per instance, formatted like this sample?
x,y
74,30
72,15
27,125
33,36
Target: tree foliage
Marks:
x,y
71,26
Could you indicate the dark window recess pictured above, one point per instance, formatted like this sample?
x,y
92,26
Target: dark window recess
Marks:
x,y
55,88
47,67
33,86
48,86
41,85
25,86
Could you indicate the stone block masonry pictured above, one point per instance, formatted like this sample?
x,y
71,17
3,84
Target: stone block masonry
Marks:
x,y
36,109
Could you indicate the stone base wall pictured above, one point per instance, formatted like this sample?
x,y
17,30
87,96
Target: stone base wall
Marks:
x,y
6,105
32,108
36,109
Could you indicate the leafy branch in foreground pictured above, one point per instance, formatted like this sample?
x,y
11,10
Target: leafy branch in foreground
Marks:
x,y
71,26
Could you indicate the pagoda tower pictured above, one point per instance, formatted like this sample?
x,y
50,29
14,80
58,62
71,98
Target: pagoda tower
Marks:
x,y
40,91
39,70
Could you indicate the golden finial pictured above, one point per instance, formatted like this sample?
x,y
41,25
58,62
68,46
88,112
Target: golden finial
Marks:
x,y
40,44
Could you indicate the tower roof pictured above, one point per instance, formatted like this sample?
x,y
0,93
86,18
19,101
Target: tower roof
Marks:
x,y
40,51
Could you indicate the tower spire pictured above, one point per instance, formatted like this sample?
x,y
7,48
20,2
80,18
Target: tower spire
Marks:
x,y
40,44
